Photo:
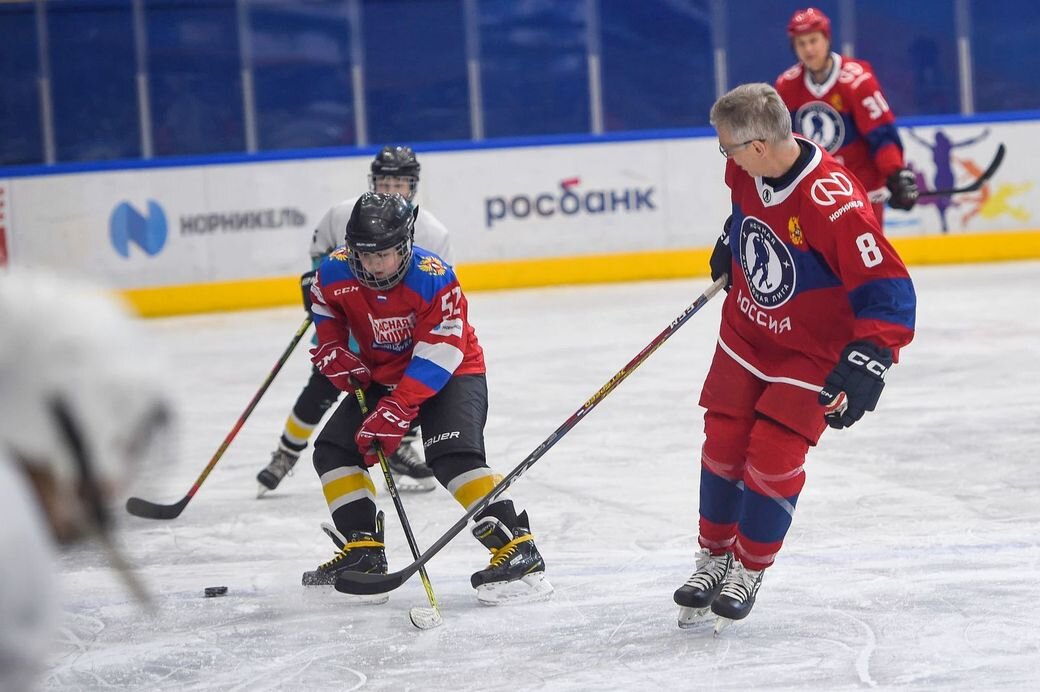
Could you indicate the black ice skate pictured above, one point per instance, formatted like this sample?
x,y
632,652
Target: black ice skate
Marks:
x,y
694,598
737,596
409,471
282,462
359,551
516,573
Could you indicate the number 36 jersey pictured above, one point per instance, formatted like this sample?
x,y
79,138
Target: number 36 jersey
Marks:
x,y
811,272
414,336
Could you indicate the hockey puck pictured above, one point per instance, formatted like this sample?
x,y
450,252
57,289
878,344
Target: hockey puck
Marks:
x,y
212,591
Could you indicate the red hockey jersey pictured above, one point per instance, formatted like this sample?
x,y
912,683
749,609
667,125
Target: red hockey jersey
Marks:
x,y
848,116
811,272
415,335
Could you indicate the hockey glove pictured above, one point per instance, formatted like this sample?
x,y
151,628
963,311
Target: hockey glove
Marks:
x,y
384,427
340,366
854,386
306,281
721,261
903,186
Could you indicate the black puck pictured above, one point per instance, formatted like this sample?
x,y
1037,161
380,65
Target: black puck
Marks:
x,y
212,591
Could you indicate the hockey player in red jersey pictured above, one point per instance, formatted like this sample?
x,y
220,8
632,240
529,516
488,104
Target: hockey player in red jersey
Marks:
x,y
837,102
418,360
818,307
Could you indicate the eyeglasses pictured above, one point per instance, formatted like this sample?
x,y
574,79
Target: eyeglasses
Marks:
x,y
728,152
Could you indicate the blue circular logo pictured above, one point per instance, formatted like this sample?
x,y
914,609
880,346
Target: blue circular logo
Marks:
x,y
822,124
766,262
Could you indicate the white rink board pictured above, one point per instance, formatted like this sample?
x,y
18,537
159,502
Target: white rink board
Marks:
x,y
499,204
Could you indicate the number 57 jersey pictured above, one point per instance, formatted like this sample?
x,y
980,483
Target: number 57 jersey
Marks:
x,y
811,272
414,336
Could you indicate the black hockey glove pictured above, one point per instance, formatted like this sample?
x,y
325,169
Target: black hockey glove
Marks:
x,y
854,386
306,281
903,186
721,261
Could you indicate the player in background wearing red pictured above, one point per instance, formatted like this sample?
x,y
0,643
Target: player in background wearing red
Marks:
x,y
817,309
836,101
418,360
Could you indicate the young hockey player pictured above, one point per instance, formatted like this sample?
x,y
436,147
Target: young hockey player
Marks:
x,y
395,169
418,360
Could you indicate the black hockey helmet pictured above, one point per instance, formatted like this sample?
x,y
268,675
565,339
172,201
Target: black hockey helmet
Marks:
x,y
380,221
395,162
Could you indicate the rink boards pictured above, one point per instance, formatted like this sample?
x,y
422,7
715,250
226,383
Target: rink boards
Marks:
x,y
190,236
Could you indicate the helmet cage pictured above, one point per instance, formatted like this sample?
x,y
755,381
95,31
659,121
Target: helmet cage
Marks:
x,y
367,278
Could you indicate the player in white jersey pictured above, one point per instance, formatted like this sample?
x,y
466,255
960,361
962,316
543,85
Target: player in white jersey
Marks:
x,y
79,408
394,170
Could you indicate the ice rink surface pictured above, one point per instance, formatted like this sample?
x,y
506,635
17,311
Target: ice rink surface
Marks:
x,y
913,561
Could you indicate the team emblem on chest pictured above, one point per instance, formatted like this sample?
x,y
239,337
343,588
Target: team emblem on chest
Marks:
x,y
822,124
392,333
767,264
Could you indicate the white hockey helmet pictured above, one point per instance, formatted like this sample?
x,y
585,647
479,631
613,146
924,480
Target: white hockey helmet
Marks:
x,y
81,398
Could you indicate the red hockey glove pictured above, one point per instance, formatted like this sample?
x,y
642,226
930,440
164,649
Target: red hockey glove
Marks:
x,y
858,378
343,368
385,426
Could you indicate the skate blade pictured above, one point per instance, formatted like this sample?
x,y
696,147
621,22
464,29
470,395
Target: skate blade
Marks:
x,y
425,618
693,617
530,589
261,490
721,623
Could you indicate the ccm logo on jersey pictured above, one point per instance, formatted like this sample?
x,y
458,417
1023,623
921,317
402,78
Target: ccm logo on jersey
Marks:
x,y
346,289
871,365
826,190
454,435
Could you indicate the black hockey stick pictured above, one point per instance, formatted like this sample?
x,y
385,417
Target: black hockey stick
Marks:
x,y
153,510
423,618
361,583
975,185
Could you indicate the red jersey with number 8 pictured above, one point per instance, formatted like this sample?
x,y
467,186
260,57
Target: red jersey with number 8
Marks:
x,y
811,272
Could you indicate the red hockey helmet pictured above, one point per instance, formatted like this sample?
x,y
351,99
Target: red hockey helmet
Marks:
x,y
807,21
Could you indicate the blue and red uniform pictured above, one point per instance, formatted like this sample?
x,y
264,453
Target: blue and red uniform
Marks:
x,y
848,116
414,336
811,272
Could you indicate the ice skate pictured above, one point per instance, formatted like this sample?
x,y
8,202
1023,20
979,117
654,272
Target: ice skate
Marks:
x,y
281,465
737,595
359,551
516,573
407,467
694,598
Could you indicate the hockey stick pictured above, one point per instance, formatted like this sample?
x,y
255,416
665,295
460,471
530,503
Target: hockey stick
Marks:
x,y
423,618
974,186
153,510
360,583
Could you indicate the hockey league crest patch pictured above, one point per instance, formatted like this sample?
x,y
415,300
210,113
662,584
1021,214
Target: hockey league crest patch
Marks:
x,y
432,266
818,121
767,264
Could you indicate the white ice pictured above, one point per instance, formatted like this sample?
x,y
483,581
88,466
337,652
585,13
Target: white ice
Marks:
x,y
913,561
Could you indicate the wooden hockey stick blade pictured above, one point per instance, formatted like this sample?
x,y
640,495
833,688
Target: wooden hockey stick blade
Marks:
x,y
973,186
151,510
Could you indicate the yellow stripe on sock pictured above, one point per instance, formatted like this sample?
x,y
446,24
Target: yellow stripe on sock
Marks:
x,y
355,481
297,431
472,492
